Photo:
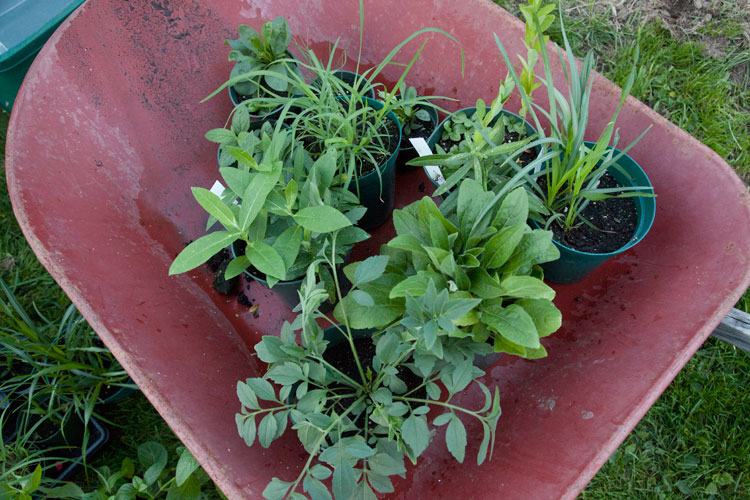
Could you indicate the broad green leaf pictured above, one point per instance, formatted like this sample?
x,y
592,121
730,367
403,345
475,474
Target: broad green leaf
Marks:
x,y
237,180
221,135
483,285
514,209
363,298
316,489
189,490
153,456
240,119
276,489
547,318
526,287
201,250
455,438
364,492
438,234
344,480
385,465
186,465
288,244
472,200
266,260
407,242
416,434
513,323
414,285
500,247
236,266
370,269
321,219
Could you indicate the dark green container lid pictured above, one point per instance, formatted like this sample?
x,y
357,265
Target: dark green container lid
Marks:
x,y
25,26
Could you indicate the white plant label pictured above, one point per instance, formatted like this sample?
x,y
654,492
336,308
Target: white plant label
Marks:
x,y
217,189
422,149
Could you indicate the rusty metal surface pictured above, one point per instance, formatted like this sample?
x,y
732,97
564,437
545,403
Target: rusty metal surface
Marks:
x,y
106,139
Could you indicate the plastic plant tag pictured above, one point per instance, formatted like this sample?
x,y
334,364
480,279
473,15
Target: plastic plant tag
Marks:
x,y
422,149
217,189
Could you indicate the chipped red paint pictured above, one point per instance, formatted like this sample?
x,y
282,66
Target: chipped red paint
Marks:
x,y
106,138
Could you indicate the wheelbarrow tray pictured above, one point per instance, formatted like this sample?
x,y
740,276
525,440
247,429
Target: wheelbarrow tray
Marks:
x,y
106,139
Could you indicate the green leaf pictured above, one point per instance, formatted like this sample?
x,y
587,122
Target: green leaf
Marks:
x,y
526,287
415,286
240,120
455,438
267,430
236,267
472,200
201,250
237,180
266,260
513,323
364,492
483,285
344,480
255,196
547,318
246,427
247,396
363,298
154,456
500,247
407,242
276,489
316,489
513,210
385,465
288,244
221,135
262,388
286,374
321,472
416,434
189,490
370,269
321,219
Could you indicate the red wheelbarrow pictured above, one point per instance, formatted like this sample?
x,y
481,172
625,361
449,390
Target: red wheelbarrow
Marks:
x,y
106,139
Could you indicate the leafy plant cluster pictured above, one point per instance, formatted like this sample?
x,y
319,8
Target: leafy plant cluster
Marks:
x,y
279,202
412,112
358,426
265,53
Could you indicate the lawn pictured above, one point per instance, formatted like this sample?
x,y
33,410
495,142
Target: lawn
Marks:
x,y
695,70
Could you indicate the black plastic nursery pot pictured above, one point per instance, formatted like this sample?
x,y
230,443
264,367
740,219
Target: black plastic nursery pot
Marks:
x,y
406,153
68,433
574,265
377,189
469,112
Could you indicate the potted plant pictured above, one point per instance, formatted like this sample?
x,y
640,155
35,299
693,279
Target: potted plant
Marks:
x,y
418,117
585,186
486,142
267,54
366,132
484,252
360,404
287,209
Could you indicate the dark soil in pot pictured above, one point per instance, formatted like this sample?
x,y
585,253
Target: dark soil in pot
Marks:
x,y
616,219
523,159
341,357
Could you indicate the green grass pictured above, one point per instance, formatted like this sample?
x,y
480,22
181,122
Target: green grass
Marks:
x,y
694,442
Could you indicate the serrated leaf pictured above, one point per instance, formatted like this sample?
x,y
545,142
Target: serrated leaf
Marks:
x,y
416,434
455,438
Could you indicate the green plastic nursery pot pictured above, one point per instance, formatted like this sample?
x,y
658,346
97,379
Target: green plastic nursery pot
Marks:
x,y
406,153
24,27
286,290
469,112
574,265
377,189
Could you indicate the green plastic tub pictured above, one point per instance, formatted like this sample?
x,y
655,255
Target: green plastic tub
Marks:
x,y
25,25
